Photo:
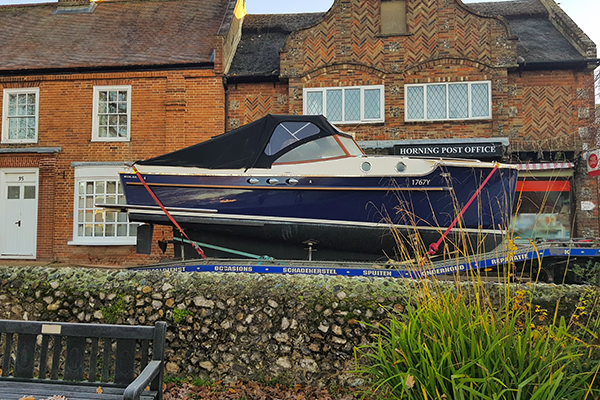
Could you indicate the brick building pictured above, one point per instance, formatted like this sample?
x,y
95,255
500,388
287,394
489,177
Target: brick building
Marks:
x,y
512,78
88,86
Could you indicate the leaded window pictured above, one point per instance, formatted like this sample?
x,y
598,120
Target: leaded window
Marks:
x,y
448,101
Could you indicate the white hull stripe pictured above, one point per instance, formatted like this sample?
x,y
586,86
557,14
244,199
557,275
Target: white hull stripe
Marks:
x,y
257,219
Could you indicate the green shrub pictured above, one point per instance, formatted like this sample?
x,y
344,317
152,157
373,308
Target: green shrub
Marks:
x,y
456,346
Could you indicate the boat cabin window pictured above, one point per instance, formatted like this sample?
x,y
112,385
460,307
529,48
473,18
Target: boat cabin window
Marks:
x,y
320,149
351,146
287,133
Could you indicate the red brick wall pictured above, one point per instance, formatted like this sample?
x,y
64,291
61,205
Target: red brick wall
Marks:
x,y
250,101
169,110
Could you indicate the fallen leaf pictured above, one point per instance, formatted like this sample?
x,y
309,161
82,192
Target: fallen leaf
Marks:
x,y
410,382
27,398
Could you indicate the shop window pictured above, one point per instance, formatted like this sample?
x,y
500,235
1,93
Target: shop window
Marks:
x,y
543,209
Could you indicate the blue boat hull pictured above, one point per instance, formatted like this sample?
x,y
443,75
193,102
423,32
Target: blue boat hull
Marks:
x,y
356,217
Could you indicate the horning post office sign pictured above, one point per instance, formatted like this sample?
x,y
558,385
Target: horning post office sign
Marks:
x,y
451,150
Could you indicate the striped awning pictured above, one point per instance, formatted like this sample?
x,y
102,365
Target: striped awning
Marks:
x,y
545,166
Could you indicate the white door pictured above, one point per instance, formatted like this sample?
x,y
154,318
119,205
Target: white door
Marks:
x,y
18,202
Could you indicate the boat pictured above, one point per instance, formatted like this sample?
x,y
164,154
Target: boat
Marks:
x,y
289,185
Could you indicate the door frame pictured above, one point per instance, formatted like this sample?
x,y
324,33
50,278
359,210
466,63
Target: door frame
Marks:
x,y
3,186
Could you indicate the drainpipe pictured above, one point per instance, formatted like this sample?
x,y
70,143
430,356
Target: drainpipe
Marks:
x,y
226,89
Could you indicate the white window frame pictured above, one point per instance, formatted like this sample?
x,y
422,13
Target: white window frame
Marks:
x,y
363,119
447,84
96,120
96,173
5,116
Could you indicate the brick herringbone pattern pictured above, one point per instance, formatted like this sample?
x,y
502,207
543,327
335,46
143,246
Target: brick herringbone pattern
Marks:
x,y
452,32
366,47
256,106
547,112
437,28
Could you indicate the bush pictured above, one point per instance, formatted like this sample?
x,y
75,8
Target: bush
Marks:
x,y
455,345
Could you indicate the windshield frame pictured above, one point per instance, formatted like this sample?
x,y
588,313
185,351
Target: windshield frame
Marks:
x,y
336,139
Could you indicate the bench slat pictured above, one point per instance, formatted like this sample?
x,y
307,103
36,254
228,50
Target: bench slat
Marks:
x,y
44,356
25,356
56,350
16,390
124,365
80,329
75,360
106,360
7,352
93,360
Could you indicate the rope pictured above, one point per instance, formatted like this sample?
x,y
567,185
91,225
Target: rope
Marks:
x,y
434,247
196,247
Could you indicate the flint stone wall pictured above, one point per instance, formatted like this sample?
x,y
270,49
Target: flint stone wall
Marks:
x,y
293,328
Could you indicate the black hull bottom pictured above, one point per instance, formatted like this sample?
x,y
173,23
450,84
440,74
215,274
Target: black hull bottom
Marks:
x,y
327,242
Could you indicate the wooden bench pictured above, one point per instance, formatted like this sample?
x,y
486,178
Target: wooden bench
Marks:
x,y
81,361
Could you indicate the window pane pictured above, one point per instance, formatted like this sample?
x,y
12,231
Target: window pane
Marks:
x,y
13,128
334,104
352,105
314,103
480,105
14,192
326,147
436,101
121,229
110,230
287,133
415,104
29,192
372,104
458,100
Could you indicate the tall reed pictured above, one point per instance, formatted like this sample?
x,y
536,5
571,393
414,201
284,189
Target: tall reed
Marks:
x,y
459,341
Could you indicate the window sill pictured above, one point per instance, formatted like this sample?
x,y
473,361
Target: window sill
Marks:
x,y
6,141
103,242
116,140
437,121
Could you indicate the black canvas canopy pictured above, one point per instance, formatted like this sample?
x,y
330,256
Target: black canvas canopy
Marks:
x,y
248,146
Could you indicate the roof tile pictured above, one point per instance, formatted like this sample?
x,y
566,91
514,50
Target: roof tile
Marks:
x,y
116,34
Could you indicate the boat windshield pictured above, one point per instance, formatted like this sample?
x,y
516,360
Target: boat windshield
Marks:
x,y
327,147
289,132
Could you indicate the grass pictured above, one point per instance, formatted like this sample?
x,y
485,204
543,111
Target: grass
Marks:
x,y
450,346
461,342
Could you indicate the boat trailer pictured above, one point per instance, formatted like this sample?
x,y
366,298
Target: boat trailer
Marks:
x,y
546,260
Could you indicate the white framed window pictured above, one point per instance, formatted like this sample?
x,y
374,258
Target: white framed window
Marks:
x,y
346,105
111,119
448,101
93,225
20,115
